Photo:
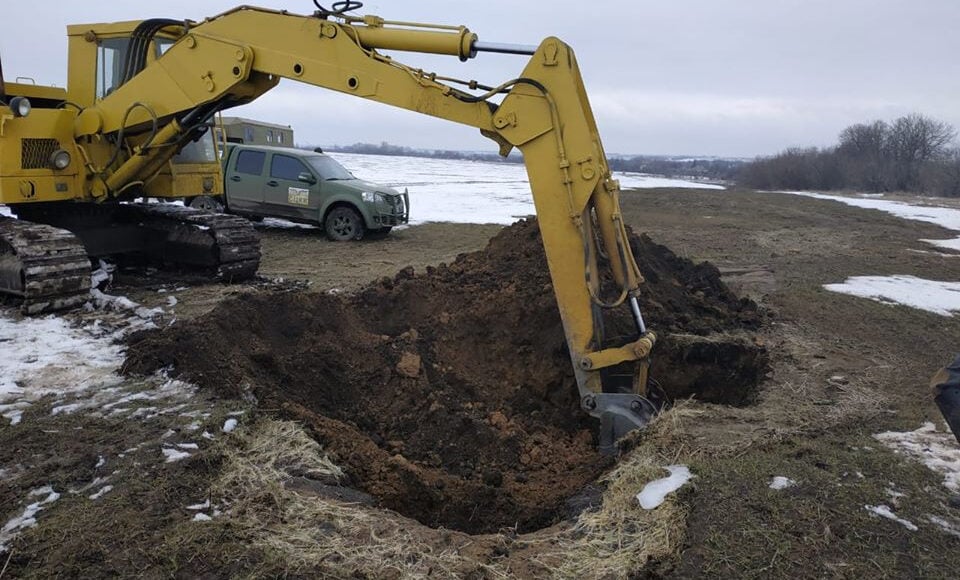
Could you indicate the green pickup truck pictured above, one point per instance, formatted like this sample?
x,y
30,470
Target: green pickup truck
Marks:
x,y
308,187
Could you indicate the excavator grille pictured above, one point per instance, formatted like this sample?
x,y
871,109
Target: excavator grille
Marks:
x,y
35,153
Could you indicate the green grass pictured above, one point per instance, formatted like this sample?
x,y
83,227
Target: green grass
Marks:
x,y
738,527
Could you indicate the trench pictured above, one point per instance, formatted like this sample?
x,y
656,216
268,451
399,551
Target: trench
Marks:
x,y
448,395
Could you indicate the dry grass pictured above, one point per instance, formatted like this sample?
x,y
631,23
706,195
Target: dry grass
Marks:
x,y
621,538
303,534
310,535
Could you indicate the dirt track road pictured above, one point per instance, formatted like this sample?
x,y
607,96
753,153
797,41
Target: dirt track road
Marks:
x,y
844,369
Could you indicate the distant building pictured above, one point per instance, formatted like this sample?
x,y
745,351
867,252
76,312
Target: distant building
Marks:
x,y
250,132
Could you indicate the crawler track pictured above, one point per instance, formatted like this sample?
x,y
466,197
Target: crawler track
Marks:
x,y
44,259
45,267
227,246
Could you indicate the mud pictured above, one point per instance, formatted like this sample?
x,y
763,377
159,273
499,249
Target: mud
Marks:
x,y
448,395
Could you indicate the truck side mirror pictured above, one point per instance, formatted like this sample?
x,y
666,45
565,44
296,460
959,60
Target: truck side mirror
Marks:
x,y
307,178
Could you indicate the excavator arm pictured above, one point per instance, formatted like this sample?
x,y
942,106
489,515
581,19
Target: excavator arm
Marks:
x,y
235,57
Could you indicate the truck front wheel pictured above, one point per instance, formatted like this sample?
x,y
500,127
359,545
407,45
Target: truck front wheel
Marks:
x,y
207,203
343,224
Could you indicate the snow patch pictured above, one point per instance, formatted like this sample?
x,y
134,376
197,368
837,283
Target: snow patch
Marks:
x,y
280,223
655,492
120,303
172,454
894,495
201,517
199,506
28,518
102,492
937,450
13,412
103,275
44,356
229,425
780,482
945,217
118,402
952,528
884,511
953,244
941,298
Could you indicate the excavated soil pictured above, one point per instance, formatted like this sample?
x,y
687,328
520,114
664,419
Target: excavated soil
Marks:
x,y
448,395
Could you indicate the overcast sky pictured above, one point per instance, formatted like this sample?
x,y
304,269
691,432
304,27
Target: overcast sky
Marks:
x,y
697,77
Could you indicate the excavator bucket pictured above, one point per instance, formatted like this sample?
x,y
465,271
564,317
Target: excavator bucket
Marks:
x,y
946,394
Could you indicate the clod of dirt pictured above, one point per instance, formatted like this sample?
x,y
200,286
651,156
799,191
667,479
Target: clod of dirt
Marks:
x,y
449,395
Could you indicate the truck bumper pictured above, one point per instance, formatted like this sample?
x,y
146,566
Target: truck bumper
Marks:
x,y
398,214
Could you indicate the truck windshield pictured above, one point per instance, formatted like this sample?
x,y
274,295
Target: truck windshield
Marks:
x,y
328,169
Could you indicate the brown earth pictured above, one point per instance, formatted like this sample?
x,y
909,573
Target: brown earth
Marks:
x,y
777,249
448,390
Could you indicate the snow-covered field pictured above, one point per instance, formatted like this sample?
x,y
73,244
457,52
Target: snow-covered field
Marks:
x,y
449,190
942,216
938,296
935,296
452,190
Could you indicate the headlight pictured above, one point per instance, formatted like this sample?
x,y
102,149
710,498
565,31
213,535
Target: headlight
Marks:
x,y
20,106
60,159
367,196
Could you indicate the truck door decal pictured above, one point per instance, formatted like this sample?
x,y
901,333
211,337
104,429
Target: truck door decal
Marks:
x,y
298,196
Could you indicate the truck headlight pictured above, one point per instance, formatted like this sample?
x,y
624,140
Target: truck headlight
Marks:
x,y
367,196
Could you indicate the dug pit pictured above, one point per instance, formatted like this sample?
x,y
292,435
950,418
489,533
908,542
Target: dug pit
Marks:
x,y
449,395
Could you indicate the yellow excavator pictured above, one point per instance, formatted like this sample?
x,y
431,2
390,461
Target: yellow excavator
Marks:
x,y
139,100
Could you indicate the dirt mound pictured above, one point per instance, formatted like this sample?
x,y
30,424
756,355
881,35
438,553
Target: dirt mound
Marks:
x,y
449,395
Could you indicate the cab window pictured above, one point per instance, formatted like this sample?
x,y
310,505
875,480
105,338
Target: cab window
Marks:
x,y
284,167
250,162
111,53
161,46
203,150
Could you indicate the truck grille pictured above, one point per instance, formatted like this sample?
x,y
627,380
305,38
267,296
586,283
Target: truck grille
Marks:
x,y
35,153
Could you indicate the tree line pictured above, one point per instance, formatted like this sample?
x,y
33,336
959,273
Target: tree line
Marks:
x,y
714,169
913,153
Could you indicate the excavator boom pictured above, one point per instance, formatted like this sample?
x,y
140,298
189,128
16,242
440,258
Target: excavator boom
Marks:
x,y
158,104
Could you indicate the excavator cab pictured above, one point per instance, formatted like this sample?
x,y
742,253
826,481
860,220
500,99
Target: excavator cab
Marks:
x,y
103,58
